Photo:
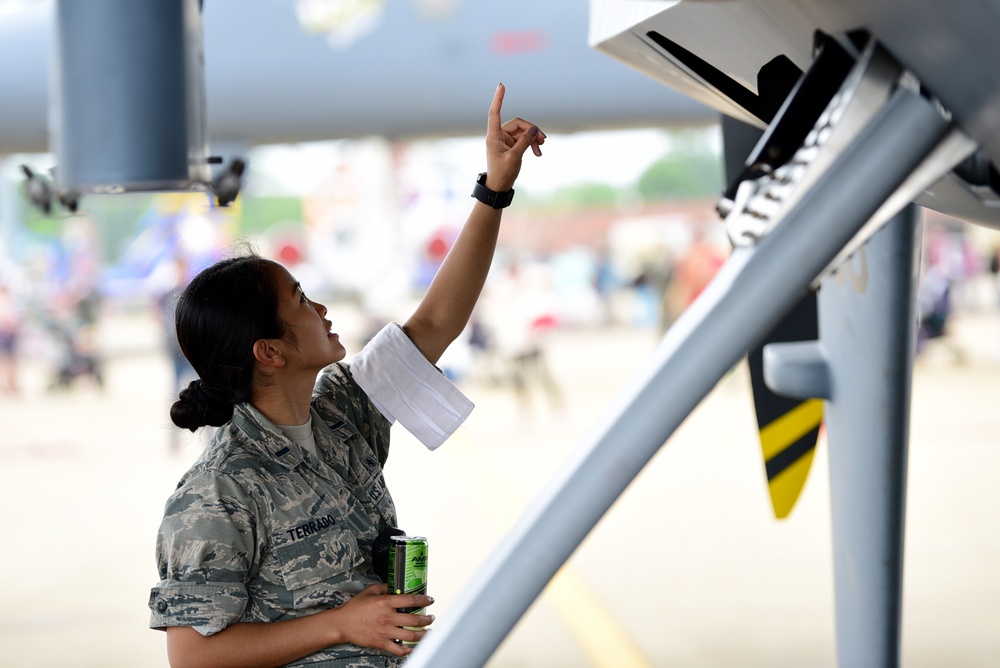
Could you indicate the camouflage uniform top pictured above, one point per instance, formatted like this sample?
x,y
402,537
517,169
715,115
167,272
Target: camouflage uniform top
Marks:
x,y
259,530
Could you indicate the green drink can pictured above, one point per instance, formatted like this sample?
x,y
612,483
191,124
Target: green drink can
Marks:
x,y
408,570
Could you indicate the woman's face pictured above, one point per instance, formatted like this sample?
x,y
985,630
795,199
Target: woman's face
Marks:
x,y
313,345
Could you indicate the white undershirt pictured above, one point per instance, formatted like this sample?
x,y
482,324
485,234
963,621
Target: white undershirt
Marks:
x,y
302,434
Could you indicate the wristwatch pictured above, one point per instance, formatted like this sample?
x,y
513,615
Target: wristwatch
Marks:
x,y
490,197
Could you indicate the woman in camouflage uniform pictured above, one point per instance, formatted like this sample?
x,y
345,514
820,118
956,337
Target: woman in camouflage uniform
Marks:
x,y
276,520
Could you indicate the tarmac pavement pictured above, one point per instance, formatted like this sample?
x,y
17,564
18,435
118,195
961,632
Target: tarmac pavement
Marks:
x,y
688,568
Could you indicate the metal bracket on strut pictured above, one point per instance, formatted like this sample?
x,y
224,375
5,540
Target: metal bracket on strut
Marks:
x,y
777,178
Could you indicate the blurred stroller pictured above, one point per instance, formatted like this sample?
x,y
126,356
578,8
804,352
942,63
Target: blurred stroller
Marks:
x,y
76,356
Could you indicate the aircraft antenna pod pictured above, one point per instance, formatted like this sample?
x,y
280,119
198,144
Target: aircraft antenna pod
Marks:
x,y
128,97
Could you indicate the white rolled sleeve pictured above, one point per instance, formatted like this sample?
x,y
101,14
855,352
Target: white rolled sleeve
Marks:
x,y
405,386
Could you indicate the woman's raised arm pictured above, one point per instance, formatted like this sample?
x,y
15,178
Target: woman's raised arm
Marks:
x,y
446,307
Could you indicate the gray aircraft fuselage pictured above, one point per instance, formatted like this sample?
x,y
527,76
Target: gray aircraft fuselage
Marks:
x,y
415,72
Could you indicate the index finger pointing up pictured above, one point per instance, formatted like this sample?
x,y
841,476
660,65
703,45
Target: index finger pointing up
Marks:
x,y
493,123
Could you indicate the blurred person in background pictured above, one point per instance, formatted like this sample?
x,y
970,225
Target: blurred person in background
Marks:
x,y
993,264
933,305
691,274
605,282
266,551
10,330
519,314
166,305
949,264
72,322
73,310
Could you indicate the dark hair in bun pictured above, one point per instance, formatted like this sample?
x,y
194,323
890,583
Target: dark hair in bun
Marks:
x,y
220,315
202,403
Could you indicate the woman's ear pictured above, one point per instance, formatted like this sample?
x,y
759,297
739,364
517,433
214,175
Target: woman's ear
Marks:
x,y
268,353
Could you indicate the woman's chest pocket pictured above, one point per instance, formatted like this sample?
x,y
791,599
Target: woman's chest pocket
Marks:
x,y
314,550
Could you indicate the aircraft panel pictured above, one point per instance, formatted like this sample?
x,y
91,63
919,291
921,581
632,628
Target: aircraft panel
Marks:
x,y
952,53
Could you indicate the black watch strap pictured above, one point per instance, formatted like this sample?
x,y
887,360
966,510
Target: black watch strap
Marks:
x,y
490,197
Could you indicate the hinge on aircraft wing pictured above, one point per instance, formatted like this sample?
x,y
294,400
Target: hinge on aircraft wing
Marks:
x,y
807,137
779,174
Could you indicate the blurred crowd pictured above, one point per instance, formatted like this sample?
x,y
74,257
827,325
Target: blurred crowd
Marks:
x,y
52,300
50,304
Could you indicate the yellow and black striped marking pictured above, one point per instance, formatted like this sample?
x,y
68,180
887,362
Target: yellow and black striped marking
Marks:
x,y
788,445
788,427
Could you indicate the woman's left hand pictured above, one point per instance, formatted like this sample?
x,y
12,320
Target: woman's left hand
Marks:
x,y
506,144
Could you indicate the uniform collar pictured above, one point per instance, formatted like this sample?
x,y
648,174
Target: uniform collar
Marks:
x,y
277,447
266,435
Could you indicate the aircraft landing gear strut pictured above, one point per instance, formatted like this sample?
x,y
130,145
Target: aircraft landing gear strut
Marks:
x,y
793,222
